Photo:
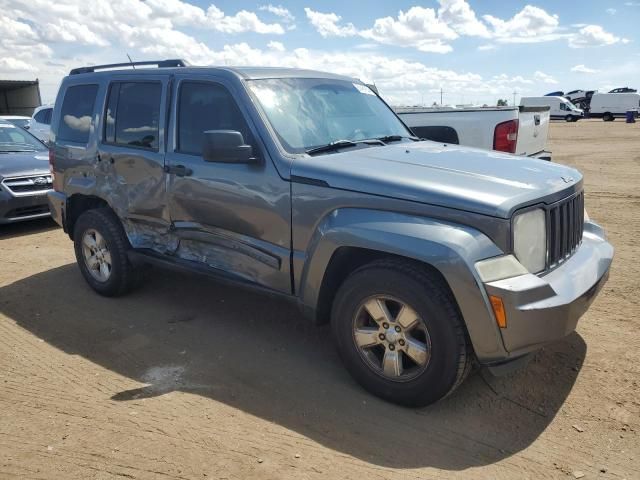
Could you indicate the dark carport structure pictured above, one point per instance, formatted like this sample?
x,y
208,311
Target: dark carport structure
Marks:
x,y
19,97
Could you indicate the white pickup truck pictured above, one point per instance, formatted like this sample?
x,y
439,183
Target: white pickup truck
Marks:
x,y
520,130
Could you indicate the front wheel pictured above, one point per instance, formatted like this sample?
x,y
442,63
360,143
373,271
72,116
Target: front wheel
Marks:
x,y
101,252
399,333
568,118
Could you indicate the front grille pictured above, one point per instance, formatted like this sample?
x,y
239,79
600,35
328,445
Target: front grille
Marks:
x,y
566,225
27,185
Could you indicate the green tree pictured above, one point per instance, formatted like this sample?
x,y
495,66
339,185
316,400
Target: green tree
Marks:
x,y
502,102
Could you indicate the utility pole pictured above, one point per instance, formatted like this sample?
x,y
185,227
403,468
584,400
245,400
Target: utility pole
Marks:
x,y
514,97
440,96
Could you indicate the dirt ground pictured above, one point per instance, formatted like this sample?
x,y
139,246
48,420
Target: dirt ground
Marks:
x,y
186,379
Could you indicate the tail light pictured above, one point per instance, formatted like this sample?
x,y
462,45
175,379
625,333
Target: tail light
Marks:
x,y
505,136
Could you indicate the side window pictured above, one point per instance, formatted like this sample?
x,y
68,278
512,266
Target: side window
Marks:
x,y
40,117
76,112
563,106
133,114
206,106
47,116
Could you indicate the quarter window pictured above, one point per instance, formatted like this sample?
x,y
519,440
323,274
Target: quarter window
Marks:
x,y
76,113
133,114
206,106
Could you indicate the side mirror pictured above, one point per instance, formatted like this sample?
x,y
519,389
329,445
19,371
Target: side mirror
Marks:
x,y
226,146
26,127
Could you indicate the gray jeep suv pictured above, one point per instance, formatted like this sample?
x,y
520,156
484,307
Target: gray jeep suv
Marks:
x,y
425,257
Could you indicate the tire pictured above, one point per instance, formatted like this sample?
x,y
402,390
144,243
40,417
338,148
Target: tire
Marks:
x,y
568,118
401,282
100,230
608,117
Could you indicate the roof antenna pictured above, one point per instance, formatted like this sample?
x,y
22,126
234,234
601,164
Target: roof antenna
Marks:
x,y
132,64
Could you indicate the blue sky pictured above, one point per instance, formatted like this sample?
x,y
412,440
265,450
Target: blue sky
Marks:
x,y
475,51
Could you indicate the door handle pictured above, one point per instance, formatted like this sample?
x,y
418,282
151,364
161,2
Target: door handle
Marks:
x,y
178,170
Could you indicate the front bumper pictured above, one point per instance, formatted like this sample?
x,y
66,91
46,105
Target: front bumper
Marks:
x,y
21,208
58,206
542,309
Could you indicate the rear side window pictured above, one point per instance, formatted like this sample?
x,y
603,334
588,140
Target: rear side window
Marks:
x,y
76,112
440,134
206,106
133,114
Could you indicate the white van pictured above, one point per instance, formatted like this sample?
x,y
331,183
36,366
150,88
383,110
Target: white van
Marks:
x,y
561,108
608,106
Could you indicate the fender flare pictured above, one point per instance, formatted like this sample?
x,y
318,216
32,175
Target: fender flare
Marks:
x,y
450,248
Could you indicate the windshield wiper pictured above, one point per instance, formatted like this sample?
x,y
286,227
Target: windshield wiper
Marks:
x,y
338,144
396,138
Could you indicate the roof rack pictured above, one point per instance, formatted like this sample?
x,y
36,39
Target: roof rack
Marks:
x,y
158,63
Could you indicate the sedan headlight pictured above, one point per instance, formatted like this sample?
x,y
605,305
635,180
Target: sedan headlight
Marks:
x,y
530,239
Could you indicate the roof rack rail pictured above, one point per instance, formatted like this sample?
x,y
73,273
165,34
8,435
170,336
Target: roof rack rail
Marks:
x,y
159,63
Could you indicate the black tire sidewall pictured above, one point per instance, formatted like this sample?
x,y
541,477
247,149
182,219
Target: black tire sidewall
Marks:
x,y
107,227
441,373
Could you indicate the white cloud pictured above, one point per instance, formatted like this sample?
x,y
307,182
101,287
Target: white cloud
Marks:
x,y
279,11
582,69
593,36
11,64
487,46
277,46
327,24
418,27
243,21
611,11
530,23
544,78
459,15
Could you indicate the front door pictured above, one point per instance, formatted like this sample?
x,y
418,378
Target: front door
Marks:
x,y
131,155
234,217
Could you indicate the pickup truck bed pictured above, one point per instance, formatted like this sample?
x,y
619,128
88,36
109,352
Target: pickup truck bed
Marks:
x,y
476,127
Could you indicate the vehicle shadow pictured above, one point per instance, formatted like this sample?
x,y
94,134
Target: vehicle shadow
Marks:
x,y
258,354
18,229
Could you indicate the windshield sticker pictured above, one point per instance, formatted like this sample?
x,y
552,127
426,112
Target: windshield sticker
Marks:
x,y
363,89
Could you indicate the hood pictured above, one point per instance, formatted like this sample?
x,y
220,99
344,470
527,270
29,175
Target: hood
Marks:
x,y
24,163
482,181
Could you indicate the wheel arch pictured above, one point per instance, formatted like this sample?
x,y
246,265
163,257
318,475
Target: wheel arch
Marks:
x,y
349,238
79,203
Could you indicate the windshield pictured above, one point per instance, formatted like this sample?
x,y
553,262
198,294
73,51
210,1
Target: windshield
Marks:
x,y
311,112
19,122
14,139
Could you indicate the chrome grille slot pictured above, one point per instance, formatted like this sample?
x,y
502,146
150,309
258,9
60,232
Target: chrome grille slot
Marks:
x,y
28,185
566,224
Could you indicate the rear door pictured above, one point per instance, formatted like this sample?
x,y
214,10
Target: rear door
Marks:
x,y
132,149
230,216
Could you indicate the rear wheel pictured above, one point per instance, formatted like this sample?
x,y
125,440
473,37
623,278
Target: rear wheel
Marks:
x,y
101,252
608,117
400,334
